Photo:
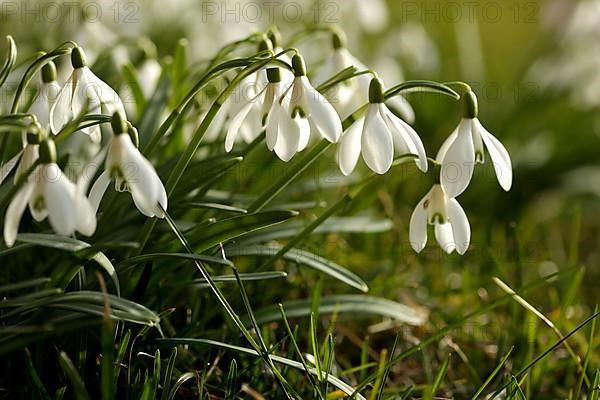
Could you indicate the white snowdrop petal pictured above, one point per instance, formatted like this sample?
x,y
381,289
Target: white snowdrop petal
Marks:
x,y
350,146
14,212
98,189
322,112
404,132
59,200
162,199
61,111
304,129
446,145
8,166
376,142
499,156
141,178
461,229
288,140
444,236
403,107
38,213
417,233
459,162
272,125
86,215
235,125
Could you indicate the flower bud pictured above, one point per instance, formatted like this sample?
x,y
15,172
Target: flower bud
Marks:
x,y
49,72
118,124
265,45
298,65
376,91
274,75
78,58
274,36
47,151
338,40
471,109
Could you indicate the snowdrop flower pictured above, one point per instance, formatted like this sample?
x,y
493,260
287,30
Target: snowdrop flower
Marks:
x,y
259,107
376,135
24,159
350,95
131,172
451,226
300,107
465,147
49,193
81,89
43,102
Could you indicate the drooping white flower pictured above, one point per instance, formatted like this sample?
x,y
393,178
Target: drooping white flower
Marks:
x,y
301,107
83,88
465,147
45,99
49,193
349,95
376,135
132,172
256,110
451,226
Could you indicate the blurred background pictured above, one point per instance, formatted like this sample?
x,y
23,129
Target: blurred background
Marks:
x,y
535,66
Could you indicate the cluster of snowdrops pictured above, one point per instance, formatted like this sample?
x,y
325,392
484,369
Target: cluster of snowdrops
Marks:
x,y
283,104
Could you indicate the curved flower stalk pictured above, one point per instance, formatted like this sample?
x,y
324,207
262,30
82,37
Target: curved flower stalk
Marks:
x,y
43,102
49,193
83,91
465,147
131,172
451,225
256,110
300,108
352,94
376,135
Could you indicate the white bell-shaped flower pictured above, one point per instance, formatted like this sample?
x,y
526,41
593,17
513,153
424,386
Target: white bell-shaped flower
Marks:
x,y
300,107
465,147
131,172
451,226
46,97
255,112
376,135
49,193
350,95
83,88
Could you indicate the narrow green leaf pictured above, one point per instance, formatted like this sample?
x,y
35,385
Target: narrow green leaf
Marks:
x,y
132,261
179,382
73,246
492,375
205,237
169,374
439,378
351,304
230,391
133,85
24,284
302,257
69,369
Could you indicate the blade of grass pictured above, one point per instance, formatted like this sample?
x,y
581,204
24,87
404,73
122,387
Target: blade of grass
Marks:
x,y
544,319
230,391
492,375
68,368
588,353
